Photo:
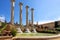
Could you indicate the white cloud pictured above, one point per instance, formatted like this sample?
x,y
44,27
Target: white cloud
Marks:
x,y
2,19
57,18
47,21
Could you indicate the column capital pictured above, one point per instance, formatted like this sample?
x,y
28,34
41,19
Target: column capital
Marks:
x,y
20,3
32,8
27,6
12,0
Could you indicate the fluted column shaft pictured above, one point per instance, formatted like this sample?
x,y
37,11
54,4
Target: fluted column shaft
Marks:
x,y
32,10
12,11
27,16
20,4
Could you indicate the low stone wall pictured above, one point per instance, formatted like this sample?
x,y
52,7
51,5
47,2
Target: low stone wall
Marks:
x,y
36,39
29,39
5,38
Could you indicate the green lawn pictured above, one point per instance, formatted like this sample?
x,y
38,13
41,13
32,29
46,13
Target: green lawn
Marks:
x,y
34,34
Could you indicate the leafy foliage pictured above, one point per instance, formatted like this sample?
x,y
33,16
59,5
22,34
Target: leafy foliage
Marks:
x,y
3,24
3,27
48,31
13,32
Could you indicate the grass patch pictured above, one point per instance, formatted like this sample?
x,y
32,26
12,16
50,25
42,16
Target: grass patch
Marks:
x,y
34,34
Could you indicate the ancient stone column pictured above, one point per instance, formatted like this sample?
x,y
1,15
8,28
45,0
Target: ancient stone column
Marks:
x,y
32,10
20,4
27,16
37,23
12,11
29,22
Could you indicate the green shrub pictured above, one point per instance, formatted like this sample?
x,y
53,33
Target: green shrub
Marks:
x,y
3,24
2,28
49,31
58,29
13,32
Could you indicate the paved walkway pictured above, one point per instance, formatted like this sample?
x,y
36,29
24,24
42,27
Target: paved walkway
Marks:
x,y
55,37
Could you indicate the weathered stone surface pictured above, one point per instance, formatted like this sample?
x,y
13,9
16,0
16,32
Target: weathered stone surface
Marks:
x,y
5,37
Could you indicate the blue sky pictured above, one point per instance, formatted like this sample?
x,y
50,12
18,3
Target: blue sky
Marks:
x,y
44,10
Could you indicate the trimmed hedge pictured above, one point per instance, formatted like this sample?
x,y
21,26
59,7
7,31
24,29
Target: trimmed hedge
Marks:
x,y
48,31
58,29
